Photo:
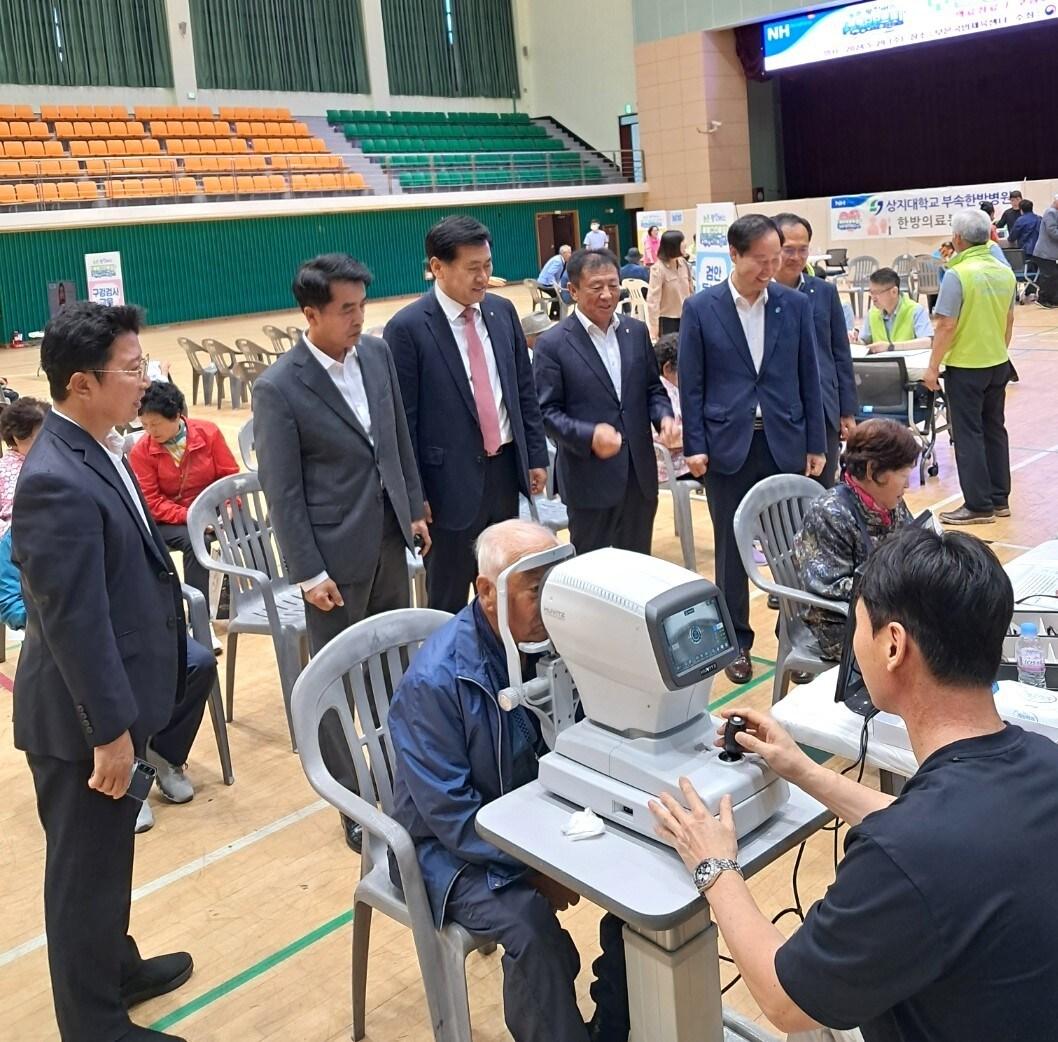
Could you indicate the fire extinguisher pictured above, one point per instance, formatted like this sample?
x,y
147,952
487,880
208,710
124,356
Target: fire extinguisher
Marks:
x,y
16,339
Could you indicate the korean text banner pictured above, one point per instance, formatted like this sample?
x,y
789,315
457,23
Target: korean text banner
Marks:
x,y
926,212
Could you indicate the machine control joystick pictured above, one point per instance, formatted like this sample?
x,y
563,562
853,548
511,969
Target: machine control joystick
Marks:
x,y
732,750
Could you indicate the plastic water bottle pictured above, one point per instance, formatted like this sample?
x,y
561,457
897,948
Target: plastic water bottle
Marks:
x,y
1032,667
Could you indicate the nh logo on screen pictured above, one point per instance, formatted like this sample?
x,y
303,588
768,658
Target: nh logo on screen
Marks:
x,y
778,32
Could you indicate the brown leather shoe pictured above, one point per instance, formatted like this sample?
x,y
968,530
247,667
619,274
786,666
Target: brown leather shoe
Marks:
x,y
965,516
741,670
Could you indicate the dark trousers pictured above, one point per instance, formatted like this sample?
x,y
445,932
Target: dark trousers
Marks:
x,y
628,526
386,590
668,325
89,841
829,476
550,293
540,960
1048,280
724,492
450,565
976,401
176,538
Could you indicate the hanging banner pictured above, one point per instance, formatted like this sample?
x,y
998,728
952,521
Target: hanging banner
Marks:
x,y
105,285
712,259
926,212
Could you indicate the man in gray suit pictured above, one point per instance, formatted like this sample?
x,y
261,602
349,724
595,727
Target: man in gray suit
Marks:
x,y
337,467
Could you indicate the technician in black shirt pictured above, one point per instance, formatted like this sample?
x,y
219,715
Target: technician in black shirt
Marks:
x,y
942,923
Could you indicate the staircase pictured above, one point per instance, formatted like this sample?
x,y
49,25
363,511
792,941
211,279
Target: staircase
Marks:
x,y
353,159
589,156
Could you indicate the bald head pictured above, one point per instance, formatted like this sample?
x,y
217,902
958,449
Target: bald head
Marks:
x,y
500,545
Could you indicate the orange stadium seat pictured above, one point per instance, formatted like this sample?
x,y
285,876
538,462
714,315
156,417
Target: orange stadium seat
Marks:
x,y
134,146
19,129
207,146
301,130
26,194
239,146
87,190
67,112
68,190
243,129
49,192
53,148
82,129
100,129
277,183
98,148
115,189
257,129
35,149
14,150
95,167
79,148
64,129
7,195
223,145
244,185
115,148
49,113
134,128
150,146
39,130
86,111
186,186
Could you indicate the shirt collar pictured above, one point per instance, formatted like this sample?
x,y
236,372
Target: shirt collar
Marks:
x,y
762,300
113,444
452,308
325,360
615,323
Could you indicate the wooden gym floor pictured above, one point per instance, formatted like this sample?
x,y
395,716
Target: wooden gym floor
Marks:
x,y
255,880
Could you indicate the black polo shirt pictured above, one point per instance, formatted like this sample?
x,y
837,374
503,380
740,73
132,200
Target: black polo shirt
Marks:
x,y
942,923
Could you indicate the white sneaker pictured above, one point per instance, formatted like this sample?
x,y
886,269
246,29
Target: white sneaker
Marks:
x,y
171,780
145,818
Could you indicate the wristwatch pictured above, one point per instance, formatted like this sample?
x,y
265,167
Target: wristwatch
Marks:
x,y
708,872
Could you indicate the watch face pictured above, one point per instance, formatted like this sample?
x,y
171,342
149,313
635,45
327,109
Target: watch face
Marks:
x,y
705,874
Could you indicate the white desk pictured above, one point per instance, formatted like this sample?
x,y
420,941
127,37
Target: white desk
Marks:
x,y
917,362
670,942
812,716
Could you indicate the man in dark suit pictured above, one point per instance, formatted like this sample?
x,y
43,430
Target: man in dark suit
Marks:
x,y
750,397
102,671
338,471
467,388
837,383
600,391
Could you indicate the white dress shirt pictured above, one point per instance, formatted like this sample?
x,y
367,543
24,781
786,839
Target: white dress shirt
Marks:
x,y
607,346
114,447
751,315
349,379
454,313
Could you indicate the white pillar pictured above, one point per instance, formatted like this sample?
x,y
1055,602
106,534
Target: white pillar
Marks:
x,y
375,47
178,19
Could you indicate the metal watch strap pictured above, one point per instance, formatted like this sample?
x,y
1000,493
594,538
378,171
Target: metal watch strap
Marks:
x,y
721,865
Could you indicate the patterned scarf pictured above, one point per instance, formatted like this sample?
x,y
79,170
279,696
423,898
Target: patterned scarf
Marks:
x,y
177,444
870,504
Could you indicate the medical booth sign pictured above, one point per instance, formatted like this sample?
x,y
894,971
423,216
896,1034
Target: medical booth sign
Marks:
x,y
647,219
105,285
927,212
712,260
866,28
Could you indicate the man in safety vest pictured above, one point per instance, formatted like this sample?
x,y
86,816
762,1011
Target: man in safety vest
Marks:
x,y
974,320
894,321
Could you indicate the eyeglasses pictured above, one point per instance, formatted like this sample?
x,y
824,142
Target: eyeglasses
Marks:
x,y
796,251
140,370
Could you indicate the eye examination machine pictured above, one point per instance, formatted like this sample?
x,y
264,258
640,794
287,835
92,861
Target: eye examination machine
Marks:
x,y
636,642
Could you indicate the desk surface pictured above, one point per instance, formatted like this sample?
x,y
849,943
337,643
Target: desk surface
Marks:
x,y
640,880
812,716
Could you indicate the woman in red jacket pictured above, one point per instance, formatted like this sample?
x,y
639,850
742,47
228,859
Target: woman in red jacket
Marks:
x,y
173,463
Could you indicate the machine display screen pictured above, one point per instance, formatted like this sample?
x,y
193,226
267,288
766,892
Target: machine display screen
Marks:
x,y
695,636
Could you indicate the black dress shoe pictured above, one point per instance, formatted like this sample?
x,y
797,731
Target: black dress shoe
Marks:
x,y
157,976
142,1034
741,670
354,837
797,677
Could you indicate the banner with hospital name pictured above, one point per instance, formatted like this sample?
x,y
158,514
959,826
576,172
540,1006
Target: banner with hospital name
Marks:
x,y
926,212
103,274
712,258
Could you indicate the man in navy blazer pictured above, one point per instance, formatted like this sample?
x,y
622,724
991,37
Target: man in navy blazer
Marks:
x,y
467,388
600,392
103,675
837,382
750,397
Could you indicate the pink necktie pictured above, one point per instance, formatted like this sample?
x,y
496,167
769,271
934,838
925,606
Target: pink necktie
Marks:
x,y
488,416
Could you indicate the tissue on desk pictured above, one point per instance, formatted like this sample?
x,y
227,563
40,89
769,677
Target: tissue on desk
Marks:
x,y
583,824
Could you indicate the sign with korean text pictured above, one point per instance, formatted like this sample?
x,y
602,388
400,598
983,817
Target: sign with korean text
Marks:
x,y
926,212
712,259
103,271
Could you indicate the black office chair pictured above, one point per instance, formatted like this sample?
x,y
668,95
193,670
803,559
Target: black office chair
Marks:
x,y
839,258
883,390
1025,271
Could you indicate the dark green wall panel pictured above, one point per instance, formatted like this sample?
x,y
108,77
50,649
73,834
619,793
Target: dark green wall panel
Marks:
x,y
204,269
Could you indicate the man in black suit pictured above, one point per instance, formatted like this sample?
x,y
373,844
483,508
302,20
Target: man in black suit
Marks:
x,y
102,669
467,387
338,471
600,391
837,382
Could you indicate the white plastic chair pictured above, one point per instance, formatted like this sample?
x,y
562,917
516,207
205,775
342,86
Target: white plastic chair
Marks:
x,y
683,520
772,513
365,664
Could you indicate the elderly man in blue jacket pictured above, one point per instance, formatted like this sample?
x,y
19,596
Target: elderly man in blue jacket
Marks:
x,y
455,751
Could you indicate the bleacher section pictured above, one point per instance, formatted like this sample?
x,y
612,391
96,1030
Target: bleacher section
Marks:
x,y
425,151
85,155
75,155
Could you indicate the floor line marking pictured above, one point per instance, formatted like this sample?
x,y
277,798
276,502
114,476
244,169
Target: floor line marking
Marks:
x,y
190,868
